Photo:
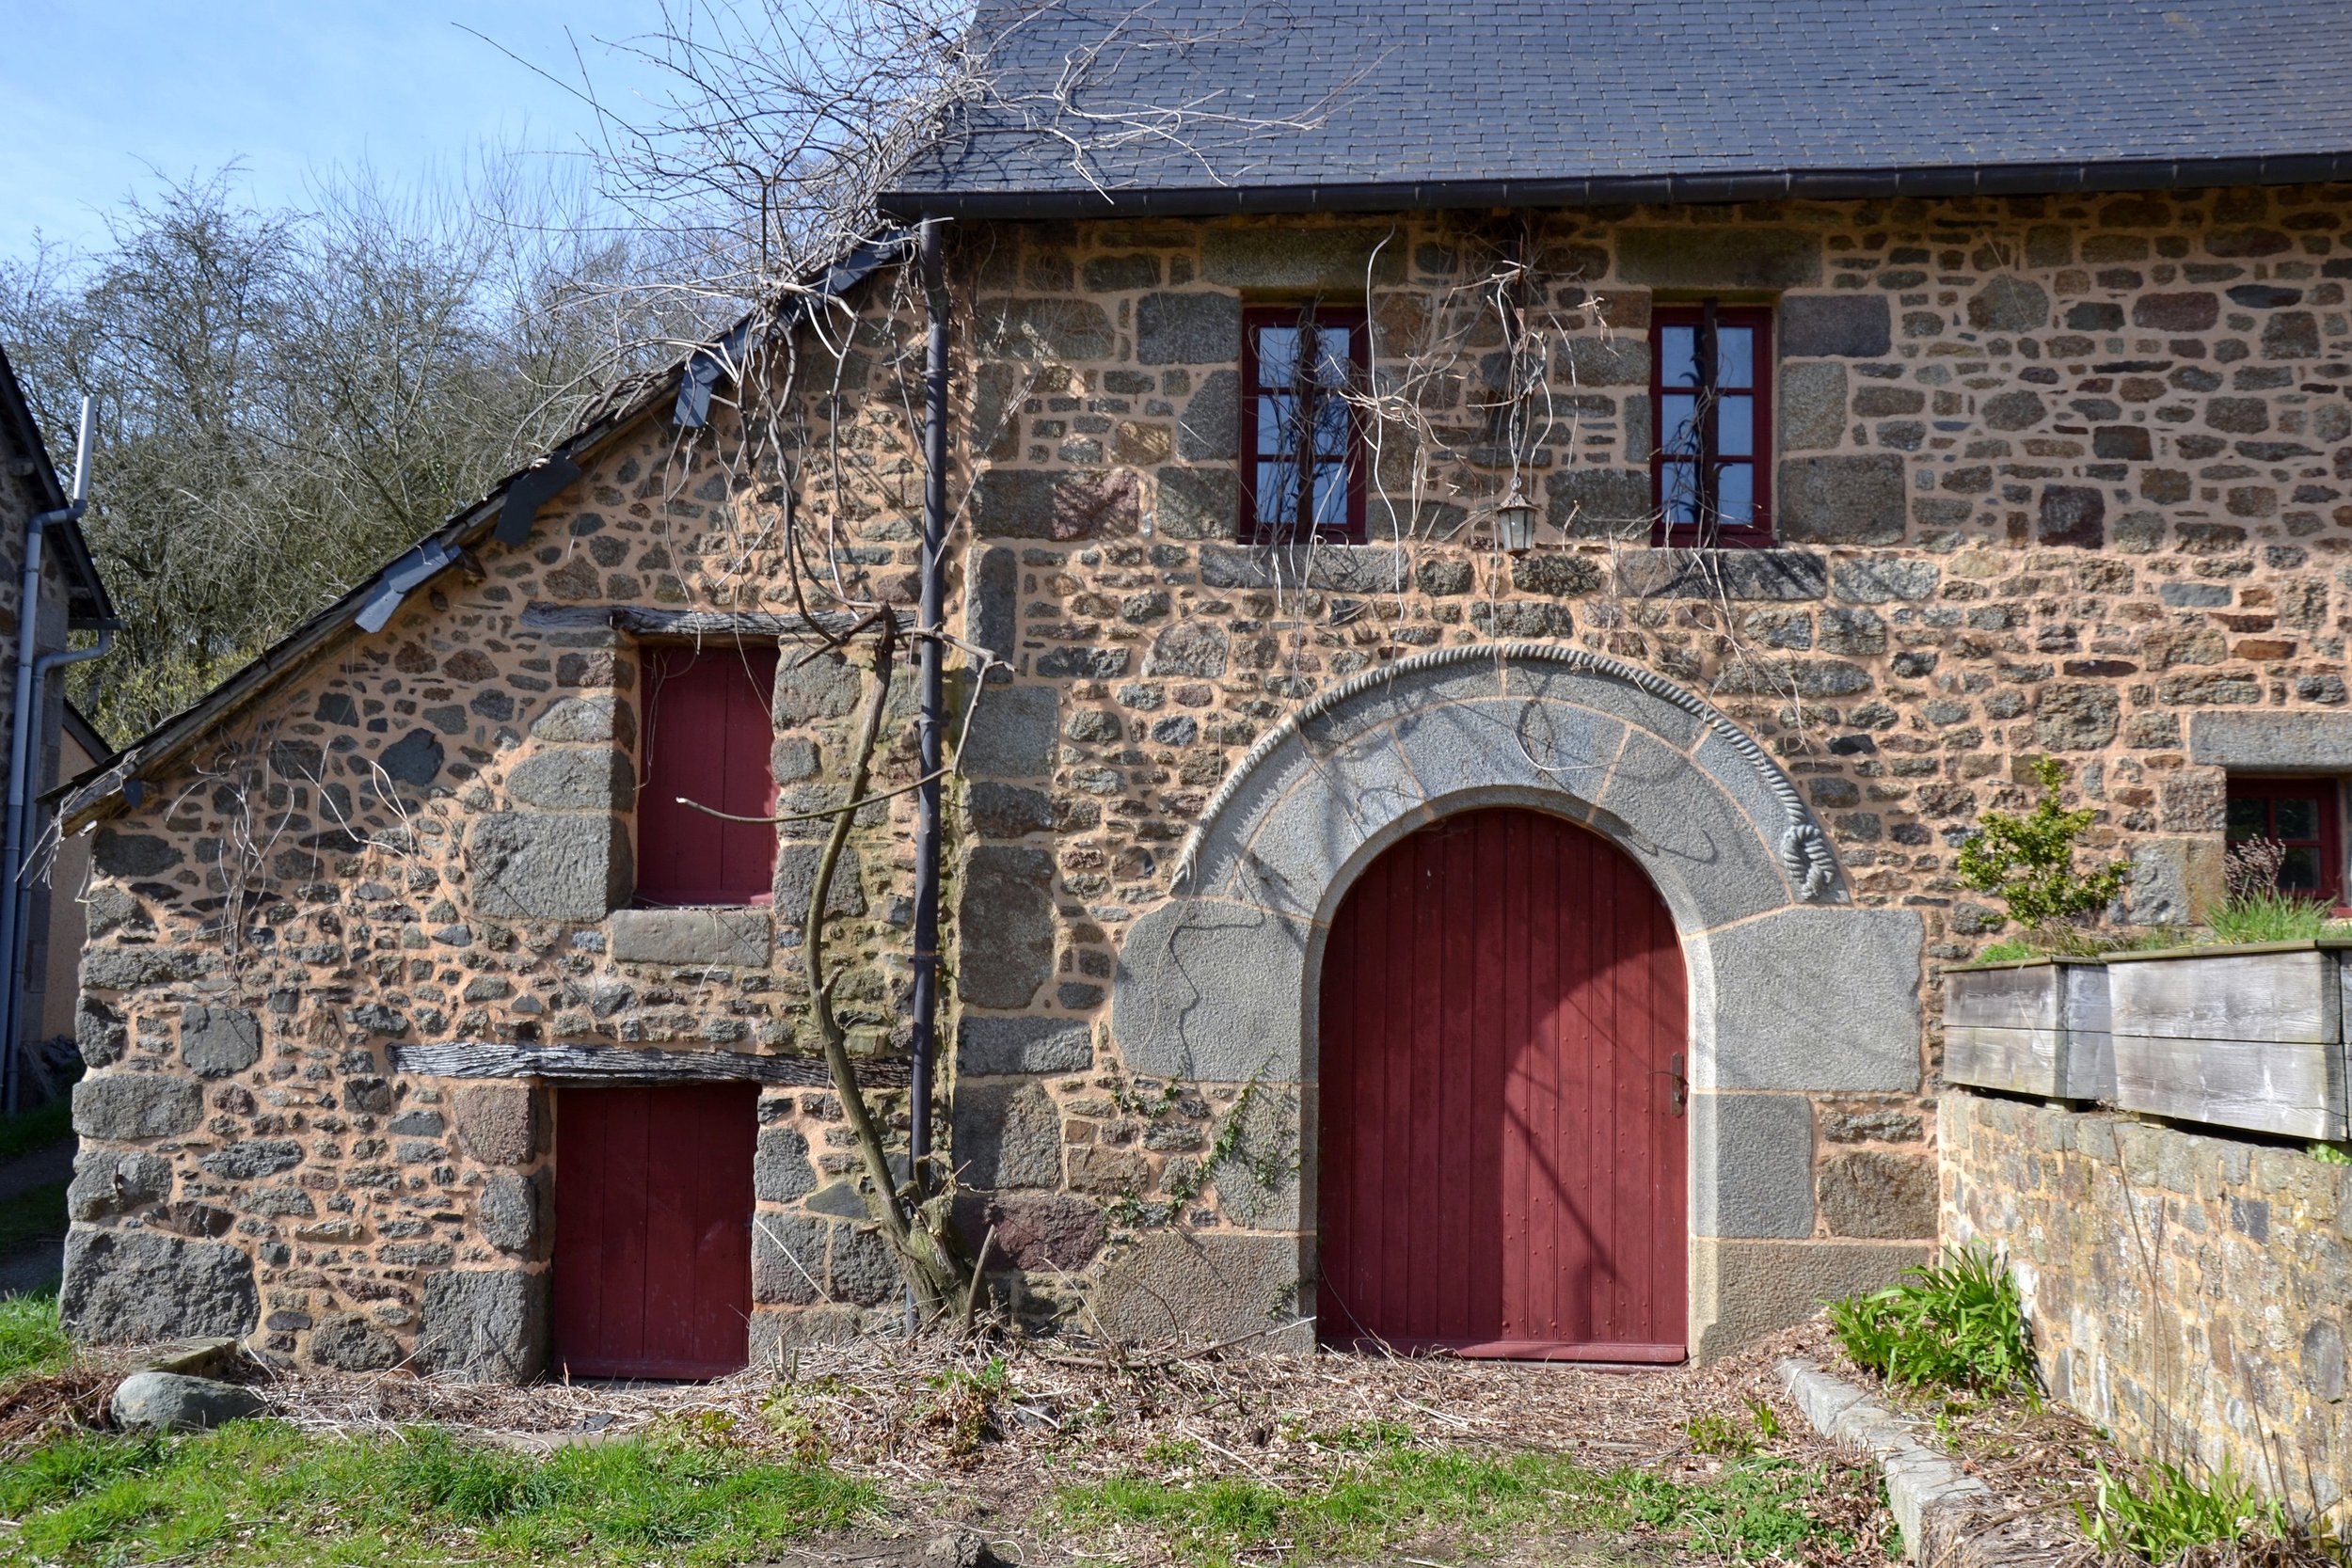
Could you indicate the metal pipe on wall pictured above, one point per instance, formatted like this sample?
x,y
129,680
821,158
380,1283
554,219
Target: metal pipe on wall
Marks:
x,y
930,652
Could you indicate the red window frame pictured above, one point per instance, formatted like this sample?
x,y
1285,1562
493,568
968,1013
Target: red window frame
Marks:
x,y
1254,527
2328,841
707,736
1706,316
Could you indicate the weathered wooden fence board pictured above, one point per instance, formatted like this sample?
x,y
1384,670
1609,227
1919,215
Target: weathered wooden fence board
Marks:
x,y
2040,1029
2292,998
2252,1040
2267,1086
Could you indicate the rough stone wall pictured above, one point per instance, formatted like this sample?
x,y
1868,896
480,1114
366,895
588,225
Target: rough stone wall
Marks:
x,y
427,840
2186,1291
2054,474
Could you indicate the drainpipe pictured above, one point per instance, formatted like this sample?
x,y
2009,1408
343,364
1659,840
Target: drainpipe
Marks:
x,y
22,726
929,659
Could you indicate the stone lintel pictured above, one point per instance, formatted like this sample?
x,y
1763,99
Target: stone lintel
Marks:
x,y
625,1065
2272,742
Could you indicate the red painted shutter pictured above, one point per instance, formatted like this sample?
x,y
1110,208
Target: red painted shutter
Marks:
x,y
1502,1166
653,1240
707,738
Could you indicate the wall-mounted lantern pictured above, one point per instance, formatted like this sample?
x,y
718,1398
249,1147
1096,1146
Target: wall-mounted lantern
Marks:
x,y
1515,520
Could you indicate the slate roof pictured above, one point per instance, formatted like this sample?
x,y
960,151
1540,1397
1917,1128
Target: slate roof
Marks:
x,y
1205,105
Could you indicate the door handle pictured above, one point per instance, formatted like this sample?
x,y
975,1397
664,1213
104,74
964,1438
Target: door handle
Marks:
x,y
1681,1087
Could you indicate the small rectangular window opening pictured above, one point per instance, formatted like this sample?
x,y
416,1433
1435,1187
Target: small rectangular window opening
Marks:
x,y
1302,460
708,738
1710,393
2297,821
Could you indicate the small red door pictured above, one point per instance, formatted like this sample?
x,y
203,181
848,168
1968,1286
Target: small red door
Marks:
x,y
653,1230
1501,1169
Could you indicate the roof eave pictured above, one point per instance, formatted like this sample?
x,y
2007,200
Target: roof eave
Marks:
x,y
1834,184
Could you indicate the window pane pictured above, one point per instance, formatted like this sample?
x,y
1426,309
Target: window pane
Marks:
x,y
1735,495
2297,819
1277,492
1277,425
1332,428
1678,357
2300,871
1681,499
1331,365
2249,818
1735,426
1278,356
1331,495
1679,421
1735,356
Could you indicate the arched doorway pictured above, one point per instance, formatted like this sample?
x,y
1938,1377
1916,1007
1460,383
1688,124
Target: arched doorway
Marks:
x,y
1501,1099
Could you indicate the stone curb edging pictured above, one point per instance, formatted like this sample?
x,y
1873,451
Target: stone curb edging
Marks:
x,y
1930,1494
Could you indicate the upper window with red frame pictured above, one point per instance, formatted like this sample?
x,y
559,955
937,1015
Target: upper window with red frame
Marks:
x,y
1302,448
2300,819
708,738
1710,385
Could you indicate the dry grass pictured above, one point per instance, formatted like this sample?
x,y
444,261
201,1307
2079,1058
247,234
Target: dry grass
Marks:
x,y
988,1435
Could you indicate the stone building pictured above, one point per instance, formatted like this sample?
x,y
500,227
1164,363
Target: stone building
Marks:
x,y
1358,928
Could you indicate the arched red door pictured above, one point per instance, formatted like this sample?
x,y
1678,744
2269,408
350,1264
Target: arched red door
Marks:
x,y
1501,1100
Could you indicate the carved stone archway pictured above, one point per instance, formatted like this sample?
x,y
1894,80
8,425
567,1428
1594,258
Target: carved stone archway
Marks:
x,y
1793,989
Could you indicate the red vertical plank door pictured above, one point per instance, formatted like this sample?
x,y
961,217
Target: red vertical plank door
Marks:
x,y
707,738
1501,1174
653,1230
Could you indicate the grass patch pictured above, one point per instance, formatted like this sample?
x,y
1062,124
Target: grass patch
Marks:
x,y
31,1213
1755,1509
2009,950
264,1491
31,1340
35,1128
2270,917
1959,1324
2168,1512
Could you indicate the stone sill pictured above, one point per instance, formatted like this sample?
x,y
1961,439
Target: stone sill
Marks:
x,y
738,938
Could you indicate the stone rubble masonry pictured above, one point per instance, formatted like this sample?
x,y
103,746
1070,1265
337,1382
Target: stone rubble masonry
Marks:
x,y
2186,1291
2055,474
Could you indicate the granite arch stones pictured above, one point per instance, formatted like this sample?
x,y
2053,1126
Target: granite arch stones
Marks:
x,y
1793,989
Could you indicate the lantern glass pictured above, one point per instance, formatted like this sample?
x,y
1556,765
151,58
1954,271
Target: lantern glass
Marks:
x,y
1515,521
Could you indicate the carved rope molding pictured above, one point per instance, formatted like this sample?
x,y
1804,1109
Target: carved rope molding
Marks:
x,y
1804,851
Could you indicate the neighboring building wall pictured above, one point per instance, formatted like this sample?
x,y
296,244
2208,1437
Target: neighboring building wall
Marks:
x,y
67,927
2186,1291
2053,472
19,499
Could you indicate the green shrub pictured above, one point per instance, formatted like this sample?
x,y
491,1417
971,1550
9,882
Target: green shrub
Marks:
x,y
2028,862
2168,1512
1960,1325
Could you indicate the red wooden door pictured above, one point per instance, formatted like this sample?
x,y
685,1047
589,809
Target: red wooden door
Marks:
x,y
709,737
653,1230
1502,1167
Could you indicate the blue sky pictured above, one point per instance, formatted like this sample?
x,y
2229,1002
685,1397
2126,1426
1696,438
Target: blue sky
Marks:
x,y
98,91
